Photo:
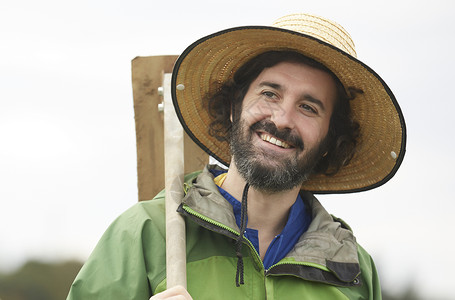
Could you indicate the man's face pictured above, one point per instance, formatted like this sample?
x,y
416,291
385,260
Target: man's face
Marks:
x,y
285,117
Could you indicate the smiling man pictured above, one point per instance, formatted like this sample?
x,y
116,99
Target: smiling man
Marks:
x,y
284,122
292,112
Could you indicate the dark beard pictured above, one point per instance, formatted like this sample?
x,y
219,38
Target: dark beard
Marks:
x,y
279,173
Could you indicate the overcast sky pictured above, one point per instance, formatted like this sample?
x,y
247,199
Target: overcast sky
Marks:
x,y
67,136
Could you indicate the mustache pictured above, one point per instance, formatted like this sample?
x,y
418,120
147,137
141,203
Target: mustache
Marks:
x,y
283,134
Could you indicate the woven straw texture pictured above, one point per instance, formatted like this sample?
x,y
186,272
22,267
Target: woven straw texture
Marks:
x,y
209,62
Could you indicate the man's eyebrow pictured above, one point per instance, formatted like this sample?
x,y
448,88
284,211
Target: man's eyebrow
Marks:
x,y
271,84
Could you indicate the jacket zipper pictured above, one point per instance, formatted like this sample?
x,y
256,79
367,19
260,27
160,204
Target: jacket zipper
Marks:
x,y
190,211
187,210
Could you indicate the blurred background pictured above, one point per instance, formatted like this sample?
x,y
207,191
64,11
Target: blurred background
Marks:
x,y
67,135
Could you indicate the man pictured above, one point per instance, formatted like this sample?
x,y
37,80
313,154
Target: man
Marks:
x,y
292,112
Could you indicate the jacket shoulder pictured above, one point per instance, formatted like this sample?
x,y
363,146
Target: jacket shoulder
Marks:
x,y
118,266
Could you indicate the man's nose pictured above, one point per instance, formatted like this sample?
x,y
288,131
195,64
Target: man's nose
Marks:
x,y
282,117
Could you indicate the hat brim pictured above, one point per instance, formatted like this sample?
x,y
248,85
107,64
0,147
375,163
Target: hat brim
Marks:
x,y
209,62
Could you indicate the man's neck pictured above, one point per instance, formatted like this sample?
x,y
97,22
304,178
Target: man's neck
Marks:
x,y
267,212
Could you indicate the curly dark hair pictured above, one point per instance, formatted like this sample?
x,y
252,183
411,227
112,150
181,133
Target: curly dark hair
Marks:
x,y
343,131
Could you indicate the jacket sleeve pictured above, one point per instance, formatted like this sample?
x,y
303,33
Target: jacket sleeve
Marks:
x,y
117,268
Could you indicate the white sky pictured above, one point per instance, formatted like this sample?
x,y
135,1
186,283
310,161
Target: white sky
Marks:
x,y
67,136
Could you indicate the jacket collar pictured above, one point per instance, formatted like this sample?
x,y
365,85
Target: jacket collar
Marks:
x,y
204,198
327,242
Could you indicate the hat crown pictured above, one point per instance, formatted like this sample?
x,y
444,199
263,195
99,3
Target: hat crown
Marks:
x,y
320,28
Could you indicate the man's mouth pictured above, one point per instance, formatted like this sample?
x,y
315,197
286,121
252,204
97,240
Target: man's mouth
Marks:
x,y
267,131
273,140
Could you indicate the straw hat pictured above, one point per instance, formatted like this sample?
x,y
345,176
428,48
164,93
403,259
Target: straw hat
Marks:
x,y
215,58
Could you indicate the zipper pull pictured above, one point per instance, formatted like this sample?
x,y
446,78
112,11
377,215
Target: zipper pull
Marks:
x,y
186,188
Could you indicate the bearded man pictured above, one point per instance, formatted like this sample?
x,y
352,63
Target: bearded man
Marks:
x,y
292,112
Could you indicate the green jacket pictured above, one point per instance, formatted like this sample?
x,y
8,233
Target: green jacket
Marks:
x,y
129,260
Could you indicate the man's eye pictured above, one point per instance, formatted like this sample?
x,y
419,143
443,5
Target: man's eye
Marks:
x,y
269,94
308,108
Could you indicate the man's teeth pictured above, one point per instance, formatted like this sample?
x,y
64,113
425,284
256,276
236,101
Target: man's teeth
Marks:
x,y
274,141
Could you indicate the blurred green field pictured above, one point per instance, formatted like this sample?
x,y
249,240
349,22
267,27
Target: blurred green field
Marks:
x,y
39,281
